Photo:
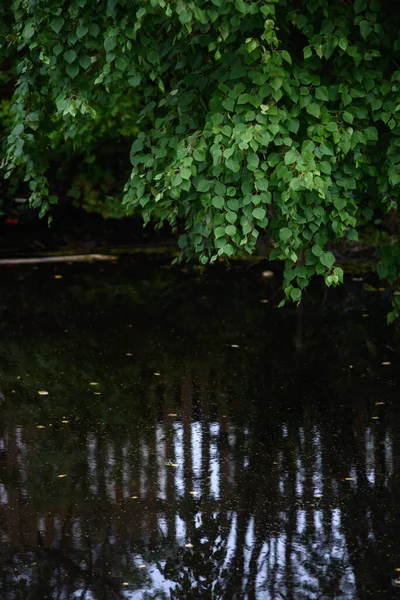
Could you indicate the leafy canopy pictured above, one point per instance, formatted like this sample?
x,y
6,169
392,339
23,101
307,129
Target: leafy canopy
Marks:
x,y
277,115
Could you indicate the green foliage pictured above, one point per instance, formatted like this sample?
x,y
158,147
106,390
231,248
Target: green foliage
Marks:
x,y
251,116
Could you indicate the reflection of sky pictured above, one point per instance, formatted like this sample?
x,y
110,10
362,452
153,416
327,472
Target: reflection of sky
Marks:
x,y
273,556
231,543
388,458
214,460
310,569
161,459
91,445
178,459
158,582
196,455
317,475
317,537
3,494
370,455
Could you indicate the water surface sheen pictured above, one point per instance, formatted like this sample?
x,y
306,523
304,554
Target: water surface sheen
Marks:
x,y
194,441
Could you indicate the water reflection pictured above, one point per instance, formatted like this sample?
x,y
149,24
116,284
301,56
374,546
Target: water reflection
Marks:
x,y
198,469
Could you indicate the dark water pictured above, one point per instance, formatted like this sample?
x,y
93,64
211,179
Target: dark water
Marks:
x,y
228,450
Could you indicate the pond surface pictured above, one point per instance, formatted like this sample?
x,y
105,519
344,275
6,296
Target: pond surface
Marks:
x,y
171,434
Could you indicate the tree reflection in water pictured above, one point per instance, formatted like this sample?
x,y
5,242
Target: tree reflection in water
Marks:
x,y
196,469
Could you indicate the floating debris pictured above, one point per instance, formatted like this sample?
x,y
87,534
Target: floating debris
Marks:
x,y
188,545
93,383
369,288
58,276
235,346
386,363
172,415
62,476
43,393
40,427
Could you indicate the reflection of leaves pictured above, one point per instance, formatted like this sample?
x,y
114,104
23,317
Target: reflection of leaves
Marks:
x,y
30,574
197,568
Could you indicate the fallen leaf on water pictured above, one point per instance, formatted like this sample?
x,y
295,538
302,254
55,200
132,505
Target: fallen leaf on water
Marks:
x,y
64,421
141,566
93,383
129,354
58,276
40,427
381,289
134,497
365,315
397,569
97,393
267,274
379,403
43,393
62,476
264,301
125,583
194,493
157,373
172,415
188,545
369,288
235,346
349,478
386,363
375,417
